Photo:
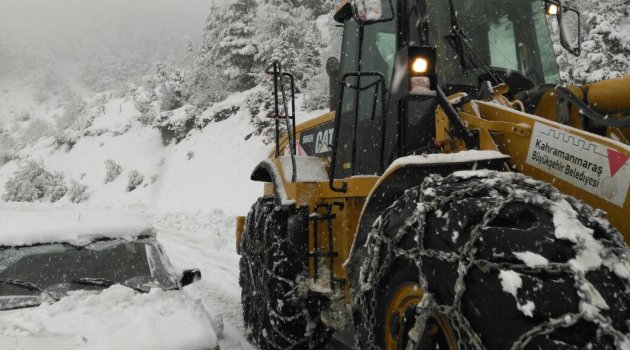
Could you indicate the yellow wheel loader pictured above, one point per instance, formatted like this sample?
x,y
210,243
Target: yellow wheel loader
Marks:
x,y
457,196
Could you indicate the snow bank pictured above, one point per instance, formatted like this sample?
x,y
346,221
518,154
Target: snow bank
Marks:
x,y
77,227
117,318
207,241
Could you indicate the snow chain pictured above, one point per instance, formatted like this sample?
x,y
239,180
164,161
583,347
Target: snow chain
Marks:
x,y
272,246
431,197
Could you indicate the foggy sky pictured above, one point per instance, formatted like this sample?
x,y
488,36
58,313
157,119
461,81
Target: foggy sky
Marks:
x,y
69,33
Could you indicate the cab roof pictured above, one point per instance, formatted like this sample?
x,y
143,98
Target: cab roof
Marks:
x,y
77,227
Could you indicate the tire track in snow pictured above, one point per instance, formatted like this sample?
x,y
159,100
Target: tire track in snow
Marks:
x,y
218,288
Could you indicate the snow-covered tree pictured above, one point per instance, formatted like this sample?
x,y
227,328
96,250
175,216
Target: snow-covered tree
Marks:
x,y
234,45
135,179
286,34
170,83
112,171
316,92
319,7
33,182
77,192
606,43
206,84
75,113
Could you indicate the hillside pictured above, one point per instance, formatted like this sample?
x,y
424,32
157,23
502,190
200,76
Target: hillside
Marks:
x,y
207,170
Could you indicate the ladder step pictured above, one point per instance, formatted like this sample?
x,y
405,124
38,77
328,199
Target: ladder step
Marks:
x,y
321,217
319,254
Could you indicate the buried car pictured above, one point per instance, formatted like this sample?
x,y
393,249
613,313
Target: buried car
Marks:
x,y
93,279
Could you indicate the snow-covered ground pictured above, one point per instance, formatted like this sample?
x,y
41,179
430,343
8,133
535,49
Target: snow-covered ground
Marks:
x,y
205,241
155,320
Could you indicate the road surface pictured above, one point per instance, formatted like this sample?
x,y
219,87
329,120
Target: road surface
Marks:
x,y
218,289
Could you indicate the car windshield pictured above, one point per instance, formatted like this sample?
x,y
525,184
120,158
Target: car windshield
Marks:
x,y
511,36
59,268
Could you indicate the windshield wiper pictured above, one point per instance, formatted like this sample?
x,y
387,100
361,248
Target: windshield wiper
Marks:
x,y
27,285
102,282
465,47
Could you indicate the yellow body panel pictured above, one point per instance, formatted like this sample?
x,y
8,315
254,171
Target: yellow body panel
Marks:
x,y
501,127
509,131
610,95
284,142
345,225
240,226
517,147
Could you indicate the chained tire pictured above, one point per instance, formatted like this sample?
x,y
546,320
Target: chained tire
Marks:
x,y
277,312
488,260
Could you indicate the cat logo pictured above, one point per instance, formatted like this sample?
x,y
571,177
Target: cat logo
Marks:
x,y
323,142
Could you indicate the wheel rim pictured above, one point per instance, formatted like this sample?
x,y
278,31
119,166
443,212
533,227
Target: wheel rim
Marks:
x,y
398,321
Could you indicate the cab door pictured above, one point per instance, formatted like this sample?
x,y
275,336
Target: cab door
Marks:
x,y
367,66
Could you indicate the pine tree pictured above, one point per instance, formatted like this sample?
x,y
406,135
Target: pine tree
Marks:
x,y
289,35
235,48
205,81
316,93
318,7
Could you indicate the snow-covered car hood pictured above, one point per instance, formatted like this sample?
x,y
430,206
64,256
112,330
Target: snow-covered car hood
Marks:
x,y
117,318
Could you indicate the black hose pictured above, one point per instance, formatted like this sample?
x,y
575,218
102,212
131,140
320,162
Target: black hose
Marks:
x,y
590,113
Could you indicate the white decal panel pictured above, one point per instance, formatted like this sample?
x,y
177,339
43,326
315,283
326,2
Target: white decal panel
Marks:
x,y
588,165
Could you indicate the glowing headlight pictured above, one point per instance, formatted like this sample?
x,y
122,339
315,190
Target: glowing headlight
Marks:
x,y
552,9
422,70
420,65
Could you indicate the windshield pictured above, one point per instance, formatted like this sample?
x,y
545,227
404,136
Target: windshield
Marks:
x,y
53,267
512,36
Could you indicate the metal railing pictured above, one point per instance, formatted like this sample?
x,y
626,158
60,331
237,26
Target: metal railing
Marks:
x,y
275,69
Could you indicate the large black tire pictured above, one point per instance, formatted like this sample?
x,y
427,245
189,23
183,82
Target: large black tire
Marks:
x,y
277,311
510,262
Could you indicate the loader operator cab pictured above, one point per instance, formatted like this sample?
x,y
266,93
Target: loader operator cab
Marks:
x,y
378,117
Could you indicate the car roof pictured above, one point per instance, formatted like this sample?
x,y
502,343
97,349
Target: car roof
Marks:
x,y
77,226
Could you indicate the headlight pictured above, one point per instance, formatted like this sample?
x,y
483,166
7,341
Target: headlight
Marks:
x,y
420,65
552,9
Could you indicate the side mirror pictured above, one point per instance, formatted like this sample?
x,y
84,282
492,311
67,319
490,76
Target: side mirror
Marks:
x,y
570,29
190,277
569,24
372,11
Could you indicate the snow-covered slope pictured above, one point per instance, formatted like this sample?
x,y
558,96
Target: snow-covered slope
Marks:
x,y
207,170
